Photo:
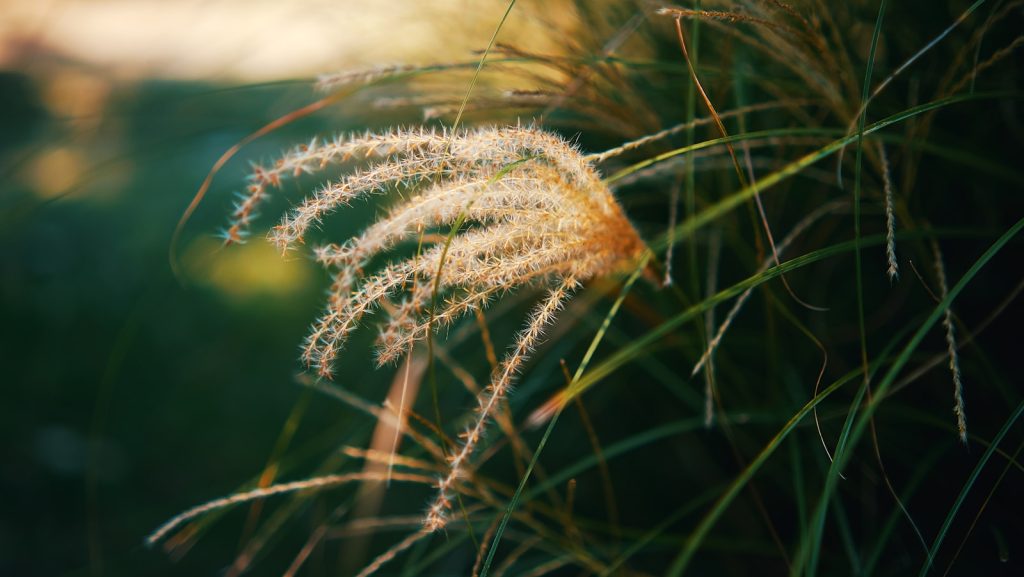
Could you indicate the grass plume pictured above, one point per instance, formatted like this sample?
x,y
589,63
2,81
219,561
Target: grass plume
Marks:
x,y
540,215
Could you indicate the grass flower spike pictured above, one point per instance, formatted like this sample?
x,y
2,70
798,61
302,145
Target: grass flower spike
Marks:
x,y
496,209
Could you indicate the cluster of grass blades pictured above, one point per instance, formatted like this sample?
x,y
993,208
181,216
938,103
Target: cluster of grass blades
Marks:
x,y
705,419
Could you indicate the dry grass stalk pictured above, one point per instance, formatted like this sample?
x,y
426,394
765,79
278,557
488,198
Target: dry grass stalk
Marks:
x,y
393,552
537,214
797,230
264,492
679,128
890,217
954,357
337,80
440,106
731,17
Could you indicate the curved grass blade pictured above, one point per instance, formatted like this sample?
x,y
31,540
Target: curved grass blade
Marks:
x,y
813,548
921,471
631,351
847,442
658,529
514,502
967,487
702,529
690,225
695,540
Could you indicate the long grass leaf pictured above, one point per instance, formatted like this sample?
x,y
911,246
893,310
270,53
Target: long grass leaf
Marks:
x,y
844,450
967,487
815,534
514,502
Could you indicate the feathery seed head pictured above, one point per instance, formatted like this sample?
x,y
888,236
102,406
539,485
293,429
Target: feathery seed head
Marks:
x,y
535,211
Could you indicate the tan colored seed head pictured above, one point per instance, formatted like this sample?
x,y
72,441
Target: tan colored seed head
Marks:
x,y
527,209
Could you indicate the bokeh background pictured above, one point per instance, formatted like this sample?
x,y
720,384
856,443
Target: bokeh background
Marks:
x,y
130,394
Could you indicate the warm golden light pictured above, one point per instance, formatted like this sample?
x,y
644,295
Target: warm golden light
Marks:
x,y
247,270
54,171
246,40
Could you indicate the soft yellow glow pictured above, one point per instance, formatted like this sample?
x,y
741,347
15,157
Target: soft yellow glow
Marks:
x,y
247,270
256,40
76,96
54,171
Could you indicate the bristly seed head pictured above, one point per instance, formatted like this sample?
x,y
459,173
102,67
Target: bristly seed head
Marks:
x,y
529,208
539,214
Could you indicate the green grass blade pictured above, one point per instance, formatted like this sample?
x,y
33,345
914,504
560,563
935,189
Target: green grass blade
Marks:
x,y
695,540
722,207
634,349
480,67
844,450
702,529
967,487
808,549
704,144
644,540
813,546
921,471
514,502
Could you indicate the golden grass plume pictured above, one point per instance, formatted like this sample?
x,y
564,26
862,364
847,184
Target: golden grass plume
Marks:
x,y
521,207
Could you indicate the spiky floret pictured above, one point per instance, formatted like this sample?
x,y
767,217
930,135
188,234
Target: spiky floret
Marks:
x,y
542,315
531,210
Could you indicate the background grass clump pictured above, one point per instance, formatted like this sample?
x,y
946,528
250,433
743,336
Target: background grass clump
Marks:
x,y
860,414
